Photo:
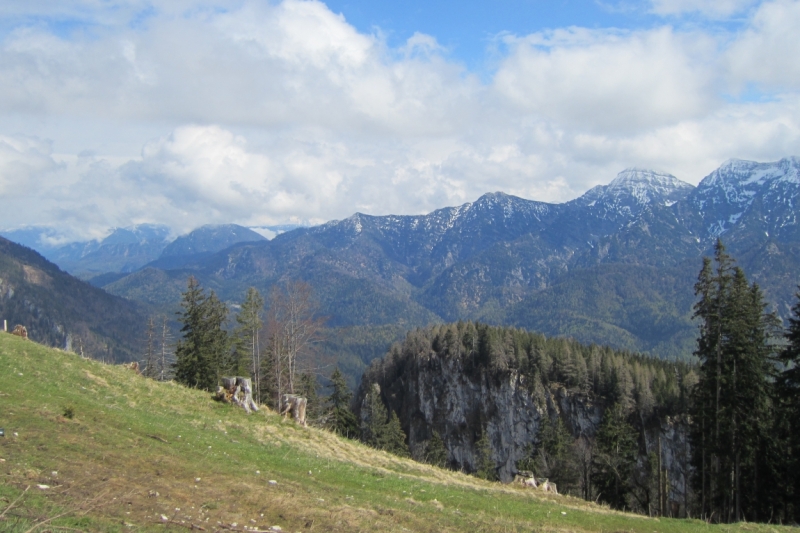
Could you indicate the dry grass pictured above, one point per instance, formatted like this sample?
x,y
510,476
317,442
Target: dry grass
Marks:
x,y
139,455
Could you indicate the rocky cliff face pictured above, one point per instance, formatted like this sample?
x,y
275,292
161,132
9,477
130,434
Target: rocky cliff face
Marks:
x,y
459,396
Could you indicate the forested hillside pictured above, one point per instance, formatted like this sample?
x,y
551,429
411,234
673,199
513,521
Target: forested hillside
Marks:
x,y
62,311
716,440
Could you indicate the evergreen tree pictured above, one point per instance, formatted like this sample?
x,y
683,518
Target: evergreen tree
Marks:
x,y
555,457
788,397
340,417
731,401
373,417
378,429
149,369
486,467
435,451
614,458
393,439
201,353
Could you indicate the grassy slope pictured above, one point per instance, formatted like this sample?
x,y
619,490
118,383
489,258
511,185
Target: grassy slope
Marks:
x,y
136,450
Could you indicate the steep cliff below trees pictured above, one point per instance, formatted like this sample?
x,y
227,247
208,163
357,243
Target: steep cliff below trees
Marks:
x,y
471,385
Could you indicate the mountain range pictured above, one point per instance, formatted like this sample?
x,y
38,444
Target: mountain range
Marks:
x,y
126,250
616,266
60,310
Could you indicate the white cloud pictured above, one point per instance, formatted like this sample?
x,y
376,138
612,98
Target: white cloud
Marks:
x,y
609,81
765,54
264,113
21,161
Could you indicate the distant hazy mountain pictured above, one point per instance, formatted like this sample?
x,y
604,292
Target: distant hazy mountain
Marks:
x,y
616,266
203,242
128,249
39,238
62,311
124,250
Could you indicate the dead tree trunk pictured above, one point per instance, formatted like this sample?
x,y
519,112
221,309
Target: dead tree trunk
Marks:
x,y
239,391
296,405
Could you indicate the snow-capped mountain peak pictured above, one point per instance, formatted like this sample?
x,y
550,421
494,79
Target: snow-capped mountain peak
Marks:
x,y
648,186
632,190
727,195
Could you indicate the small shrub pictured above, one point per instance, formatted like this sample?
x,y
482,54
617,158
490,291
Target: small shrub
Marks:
x,y
69,412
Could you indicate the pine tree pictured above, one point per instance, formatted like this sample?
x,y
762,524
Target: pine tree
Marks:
x,y
555,458
485,465
731,401
393,439
788,398
378,429
307,388
373,417
149,369
340,417
435,451
201,353
614,458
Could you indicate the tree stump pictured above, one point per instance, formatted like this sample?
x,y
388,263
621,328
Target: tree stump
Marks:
x,y
296,405
20,331
239,391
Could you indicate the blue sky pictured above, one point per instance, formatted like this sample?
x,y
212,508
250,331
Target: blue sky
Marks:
x,y
185,112
468,29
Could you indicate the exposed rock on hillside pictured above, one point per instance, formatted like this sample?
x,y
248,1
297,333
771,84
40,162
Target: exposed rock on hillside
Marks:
x,y
461,381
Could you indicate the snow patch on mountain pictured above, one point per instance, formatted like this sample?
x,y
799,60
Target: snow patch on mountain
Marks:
x,y
726,195
632,191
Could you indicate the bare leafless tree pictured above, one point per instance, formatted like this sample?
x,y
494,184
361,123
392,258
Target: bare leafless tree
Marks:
x,y
293,328
166,353
150,354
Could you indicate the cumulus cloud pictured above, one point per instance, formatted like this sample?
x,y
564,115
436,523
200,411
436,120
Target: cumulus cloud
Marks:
x,y
265,113
609,81
22,162
765,53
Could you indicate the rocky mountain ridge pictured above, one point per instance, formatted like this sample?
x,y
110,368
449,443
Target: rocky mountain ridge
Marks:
x,y
616,266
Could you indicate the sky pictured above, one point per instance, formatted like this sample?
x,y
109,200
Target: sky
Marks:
x,y
184,112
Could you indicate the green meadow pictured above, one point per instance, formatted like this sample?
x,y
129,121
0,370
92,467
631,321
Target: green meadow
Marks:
x,y
96,447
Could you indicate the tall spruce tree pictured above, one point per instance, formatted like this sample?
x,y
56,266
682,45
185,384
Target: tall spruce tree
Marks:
x,y
436,451
614,458
788,396
555,457
732,400
340,417
200,355
486,468
393,438
380,430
